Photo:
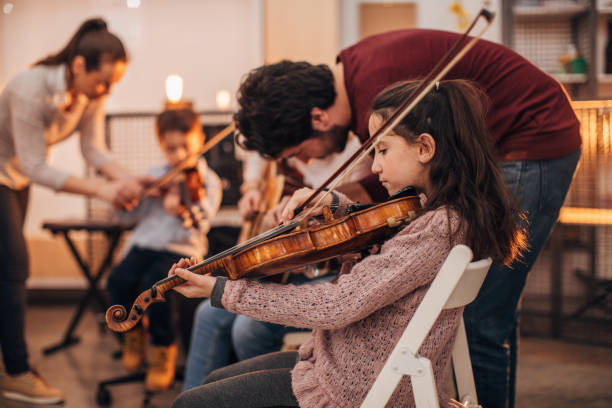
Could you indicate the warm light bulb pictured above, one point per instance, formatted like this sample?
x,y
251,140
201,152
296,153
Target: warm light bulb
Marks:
x,y
174,88
7,8
224,99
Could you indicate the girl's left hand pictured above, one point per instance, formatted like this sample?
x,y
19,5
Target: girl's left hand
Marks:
x,y
196,286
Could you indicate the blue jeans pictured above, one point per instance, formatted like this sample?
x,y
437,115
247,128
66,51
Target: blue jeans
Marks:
x,y
218,335
540,188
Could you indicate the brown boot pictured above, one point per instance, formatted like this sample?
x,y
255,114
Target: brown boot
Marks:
x,y
162,363
29,387
134,343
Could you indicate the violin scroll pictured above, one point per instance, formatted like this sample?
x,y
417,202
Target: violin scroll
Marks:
x,y
117,317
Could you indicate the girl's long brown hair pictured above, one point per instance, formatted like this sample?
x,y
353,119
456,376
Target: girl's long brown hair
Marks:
x,y
464,174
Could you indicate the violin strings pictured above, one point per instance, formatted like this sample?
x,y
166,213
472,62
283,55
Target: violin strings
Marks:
x,y
254,240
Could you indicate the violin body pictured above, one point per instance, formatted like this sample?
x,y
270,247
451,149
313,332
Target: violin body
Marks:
x,y
191,190
317,243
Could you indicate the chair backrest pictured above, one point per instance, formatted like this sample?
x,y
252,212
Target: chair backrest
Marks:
x,y
469,284
456,285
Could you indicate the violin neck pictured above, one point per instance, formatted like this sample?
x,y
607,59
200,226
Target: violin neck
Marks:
x,y
202,268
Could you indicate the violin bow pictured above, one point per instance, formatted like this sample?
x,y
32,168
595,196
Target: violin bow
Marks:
x,y
186,162
449,60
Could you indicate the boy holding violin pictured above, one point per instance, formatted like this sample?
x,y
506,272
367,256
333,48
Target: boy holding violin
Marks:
x,y
170,225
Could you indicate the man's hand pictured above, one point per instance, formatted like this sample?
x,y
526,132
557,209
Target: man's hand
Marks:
x,y
297,199
249,203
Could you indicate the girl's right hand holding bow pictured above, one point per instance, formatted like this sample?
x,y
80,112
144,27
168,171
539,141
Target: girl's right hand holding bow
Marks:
x,y
285,210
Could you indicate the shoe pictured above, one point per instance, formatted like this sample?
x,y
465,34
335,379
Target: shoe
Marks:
x,y
31,388
162,364
134,345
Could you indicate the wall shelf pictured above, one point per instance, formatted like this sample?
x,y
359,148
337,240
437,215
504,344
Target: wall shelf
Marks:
x,y
571,78
566,10
604,78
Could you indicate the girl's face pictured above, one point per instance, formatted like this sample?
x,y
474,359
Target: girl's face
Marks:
x,y
399,163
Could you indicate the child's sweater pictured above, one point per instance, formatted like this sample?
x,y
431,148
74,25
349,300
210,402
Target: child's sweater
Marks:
x,y
357,320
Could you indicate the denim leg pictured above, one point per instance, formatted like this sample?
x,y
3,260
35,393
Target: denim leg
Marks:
x,y
125,279
252,338
210,343
14,270
540,188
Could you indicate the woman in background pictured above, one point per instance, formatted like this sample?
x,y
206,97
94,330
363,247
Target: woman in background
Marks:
x,y
61,94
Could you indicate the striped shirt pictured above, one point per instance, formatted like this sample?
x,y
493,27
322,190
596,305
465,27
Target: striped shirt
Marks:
x,y
158,230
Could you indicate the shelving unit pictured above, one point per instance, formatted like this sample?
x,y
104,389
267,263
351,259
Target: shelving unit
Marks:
x,y
542,30
568,10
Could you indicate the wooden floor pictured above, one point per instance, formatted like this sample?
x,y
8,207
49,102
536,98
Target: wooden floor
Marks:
x,y
551,373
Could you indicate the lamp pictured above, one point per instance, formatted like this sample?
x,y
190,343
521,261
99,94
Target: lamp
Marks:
x,y
174,92
224,99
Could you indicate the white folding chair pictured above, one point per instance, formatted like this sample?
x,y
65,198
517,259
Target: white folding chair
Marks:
x,y
456,285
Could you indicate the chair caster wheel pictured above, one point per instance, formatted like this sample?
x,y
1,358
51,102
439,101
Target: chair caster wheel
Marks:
x,y
147,399
103,397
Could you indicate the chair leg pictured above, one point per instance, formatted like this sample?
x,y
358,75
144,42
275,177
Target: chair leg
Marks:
x,y
424,387
462,369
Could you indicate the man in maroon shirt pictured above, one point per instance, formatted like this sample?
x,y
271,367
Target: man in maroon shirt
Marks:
x,y
303,110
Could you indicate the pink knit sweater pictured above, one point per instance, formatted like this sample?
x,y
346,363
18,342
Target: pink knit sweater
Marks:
x,y
357,320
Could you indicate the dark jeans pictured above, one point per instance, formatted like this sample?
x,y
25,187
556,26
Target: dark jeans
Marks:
x,y
491,320
138,271
14,270
259,382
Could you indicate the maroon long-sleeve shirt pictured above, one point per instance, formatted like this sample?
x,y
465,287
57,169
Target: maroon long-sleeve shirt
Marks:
x,y
529,117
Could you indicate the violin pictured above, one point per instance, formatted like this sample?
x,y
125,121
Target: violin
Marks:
x,y
191,190
185,164
287,247
297,244
271,192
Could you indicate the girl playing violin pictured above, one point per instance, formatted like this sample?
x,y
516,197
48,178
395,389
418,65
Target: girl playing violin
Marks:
x,y
160,239
441,148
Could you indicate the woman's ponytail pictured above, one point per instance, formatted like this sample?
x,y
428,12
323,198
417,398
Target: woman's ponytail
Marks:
x,y
91,40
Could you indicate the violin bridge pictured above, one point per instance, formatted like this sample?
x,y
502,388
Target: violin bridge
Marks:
x,y
392,222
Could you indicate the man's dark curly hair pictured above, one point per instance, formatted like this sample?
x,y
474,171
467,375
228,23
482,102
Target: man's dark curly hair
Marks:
x,y
275,104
